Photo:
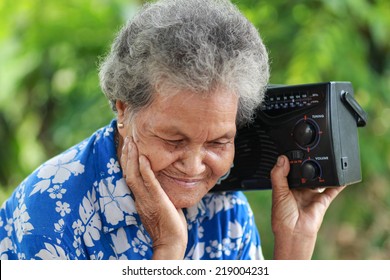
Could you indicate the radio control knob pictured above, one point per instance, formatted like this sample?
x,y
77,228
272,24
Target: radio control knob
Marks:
x,y
304,133
310,170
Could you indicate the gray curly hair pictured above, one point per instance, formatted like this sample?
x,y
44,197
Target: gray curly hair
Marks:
x,y
194,45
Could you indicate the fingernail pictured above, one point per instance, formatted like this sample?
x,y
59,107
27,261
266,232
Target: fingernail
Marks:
x,y
280,161
142,160
125,143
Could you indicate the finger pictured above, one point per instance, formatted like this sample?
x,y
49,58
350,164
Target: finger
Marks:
x,y
131,167
316,190
149,179
279,177
332,193
323,195
123,156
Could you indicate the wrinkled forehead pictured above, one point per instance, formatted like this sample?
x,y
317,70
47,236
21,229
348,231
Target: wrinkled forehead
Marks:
x,y
187,110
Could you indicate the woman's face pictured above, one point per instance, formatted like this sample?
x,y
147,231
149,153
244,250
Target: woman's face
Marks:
x,y
189,141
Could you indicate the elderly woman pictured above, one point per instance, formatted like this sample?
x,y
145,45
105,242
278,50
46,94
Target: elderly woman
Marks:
x,y
181,76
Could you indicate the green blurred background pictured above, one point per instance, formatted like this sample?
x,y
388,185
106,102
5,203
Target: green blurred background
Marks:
x,y
50,98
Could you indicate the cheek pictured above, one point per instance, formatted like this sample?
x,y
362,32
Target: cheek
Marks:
x,y
159,157
221,162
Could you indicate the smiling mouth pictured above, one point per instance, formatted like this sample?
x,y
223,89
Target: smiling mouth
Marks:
x,y
185,182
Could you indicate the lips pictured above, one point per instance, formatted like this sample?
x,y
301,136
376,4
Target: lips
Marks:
x,y
185,182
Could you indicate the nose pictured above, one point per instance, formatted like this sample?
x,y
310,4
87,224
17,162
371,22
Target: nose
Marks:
x,y
191,162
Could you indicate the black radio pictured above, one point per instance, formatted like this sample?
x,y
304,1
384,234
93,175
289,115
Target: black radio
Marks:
x,y
314,125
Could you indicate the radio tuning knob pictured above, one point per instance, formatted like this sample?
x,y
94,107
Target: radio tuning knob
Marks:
x,y
304,133
310,170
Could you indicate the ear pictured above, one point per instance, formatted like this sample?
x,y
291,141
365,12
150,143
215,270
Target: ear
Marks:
x,y
121,109
122,119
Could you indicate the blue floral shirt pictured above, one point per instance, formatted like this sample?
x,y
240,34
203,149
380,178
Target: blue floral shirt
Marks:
x,y
78,206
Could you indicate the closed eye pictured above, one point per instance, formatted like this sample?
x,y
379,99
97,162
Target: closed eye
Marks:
x,y
173,142
221,143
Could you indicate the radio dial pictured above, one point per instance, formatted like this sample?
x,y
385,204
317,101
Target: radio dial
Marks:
x,y
310,170
304,133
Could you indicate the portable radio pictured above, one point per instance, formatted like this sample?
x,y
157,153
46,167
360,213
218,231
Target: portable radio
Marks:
x,y
314,125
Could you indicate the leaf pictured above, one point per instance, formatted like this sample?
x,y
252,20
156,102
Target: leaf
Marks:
x,y
121,243
41,186
52,253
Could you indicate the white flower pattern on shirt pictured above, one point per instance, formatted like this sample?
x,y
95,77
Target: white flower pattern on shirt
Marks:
x,y
21,222
56,192
51,252
58,170
113,166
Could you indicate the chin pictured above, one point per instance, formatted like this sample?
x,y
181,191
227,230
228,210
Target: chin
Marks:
x,y
185,199
185,194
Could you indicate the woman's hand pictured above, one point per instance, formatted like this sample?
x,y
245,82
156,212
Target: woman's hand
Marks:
x,y
297,214
165,224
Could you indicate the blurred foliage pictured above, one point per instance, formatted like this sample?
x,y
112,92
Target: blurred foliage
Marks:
x,y
50,97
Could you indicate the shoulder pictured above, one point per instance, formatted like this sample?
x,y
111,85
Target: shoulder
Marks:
x,y
55,196
72,172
